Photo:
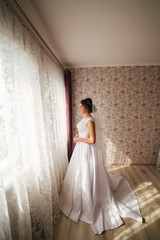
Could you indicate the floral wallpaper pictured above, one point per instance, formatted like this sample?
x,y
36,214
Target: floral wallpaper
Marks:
x,y
128,100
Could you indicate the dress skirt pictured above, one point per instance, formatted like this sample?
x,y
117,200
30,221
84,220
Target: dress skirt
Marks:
x,y
89,193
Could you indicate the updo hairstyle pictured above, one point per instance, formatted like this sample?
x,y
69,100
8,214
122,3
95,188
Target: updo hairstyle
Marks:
x,y
87,103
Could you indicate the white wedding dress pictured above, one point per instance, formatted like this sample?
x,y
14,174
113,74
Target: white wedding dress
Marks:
x,y
89,193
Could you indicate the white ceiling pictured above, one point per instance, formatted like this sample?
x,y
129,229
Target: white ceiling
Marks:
x,y
103,32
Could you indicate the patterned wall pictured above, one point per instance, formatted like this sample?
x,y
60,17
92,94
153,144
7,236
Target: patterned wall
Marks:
x,y
128,100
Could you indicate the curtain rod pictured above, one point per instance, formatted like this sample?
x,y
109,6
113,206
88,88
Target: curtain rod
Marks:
x,y
27,23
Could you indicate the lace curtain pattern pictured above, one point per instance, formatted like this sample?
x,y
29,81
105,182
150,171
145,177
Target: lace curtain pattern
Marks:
x,y
33,141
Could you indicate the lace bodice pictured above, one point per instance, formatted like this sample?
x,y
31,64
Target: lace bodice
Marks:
x,y
82,127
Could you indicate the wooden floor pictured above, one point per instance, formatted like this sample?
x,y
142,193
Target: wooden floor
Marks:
x,y
146,183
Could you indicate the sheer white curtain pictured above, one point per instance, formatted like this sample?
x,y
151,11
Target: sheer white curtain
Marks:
x,y
33,143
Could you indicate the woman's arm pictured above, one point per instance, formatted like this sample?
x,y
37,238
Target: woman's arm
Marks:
x,y
91,139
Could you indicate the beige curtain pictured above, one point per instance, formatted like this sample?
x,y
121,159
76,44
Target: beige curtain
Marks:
x,y
33,141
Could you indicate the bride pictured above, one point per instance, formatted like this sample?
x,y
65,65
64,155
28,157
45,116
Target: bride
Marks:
x,y
89,193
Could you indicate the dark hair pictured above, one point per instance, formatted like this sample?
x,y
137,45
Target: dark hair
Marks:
x,y
87,103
